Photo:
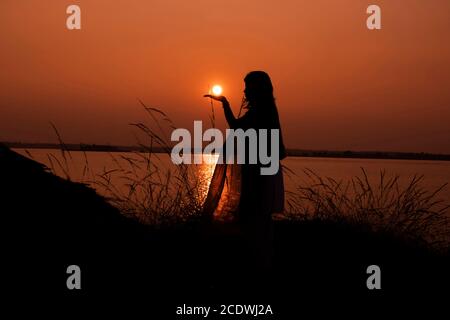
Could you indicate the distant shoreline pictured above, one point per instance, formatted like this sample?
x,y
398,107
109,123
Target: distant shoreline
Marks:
x,y
290,152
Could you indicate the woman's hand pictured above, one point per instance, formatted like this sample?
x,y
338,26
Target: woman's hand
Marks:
x,y
226,108
217,98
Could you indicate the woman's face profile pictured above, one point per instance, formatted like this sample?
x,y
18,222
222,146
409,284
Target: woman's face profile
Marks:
x,y
250,92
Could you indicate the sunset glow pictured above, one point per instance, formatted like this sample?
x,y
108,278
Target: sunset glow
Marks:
x,y
329,70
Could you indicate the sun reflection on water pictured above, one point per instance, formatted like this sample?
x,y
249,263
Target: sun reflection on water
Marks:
x,y
205,172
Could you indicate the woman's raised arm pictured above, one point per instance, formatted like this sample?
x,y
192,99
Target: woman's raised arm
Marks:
x,y
232,121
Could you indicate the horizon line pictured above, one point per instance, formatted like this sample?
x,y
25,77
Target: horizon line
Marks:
x,y
292,152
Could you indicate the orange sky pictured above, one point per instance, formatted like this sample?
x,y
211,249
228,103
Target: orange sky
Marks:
x,y
338,85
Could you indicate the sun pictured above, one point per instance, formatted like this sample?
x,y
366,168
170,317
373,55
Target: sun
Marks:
x,y
216,90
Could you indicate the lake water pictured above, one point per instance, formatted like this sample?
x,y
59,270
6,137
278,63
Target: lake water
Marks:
x,y
88,167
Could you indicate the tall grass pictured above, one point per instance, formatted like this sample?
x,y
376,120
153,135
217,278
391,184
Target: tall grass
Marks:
x,y
157,194
409,211
162,195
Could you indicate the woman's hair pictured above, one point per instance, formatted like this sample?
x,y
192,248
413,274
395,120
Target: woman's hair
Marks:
x,y
258,90
259,100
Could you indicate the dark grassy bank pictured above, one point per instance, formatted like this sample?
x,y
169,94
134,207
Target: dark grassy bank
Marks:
x,y
50,223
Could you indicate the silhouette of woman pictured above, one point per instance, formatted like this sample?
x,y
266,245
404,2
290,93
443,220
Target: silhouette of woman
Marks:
x,y
260,195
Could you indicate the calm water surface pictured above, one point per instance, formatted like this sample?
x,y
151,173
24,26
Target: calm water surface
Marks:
x,y
86,167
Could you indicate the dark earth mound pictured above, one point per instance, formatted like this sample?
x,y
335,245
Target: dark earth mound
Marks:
x,y
50,223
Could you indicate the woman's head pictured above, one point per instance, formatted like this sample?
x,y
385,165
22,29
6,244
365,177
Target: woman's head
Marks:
x,y
259,97
258,89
